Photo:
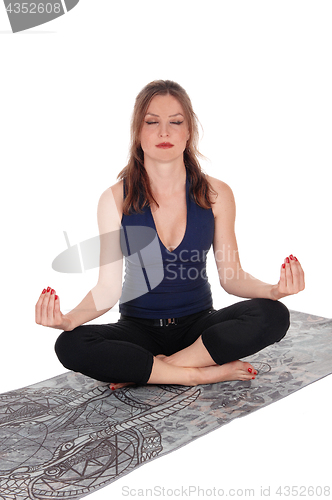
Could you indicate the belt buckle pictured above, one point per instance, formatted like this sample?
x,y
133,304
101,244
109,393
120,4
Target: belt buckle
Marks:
x,y
168,321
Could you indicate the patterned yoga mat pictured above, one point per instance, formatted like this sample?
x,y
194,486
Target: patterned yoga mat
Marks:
x,y
69,436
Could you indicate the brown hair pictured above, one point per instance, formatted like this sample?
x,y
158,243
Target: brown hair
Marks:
x,y
137,185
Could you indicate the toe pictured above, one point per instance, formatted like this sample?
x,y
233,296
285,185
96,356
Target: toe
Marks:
x,y
249,372
251,369
119,385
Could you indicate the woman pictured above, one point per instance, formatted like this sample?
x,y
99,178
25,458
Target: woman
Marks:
x,y
168,332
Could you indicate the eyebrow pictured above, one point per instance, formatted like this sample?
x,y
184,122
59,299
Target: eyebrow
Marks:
x,y
170,116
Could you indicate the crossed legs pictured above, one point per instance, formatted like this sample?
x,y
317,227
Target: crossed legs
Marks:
x,y
206,348
193,366
236,331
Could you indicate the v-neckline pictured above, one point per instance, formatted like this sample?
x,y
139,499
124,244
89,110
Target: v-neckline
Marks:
x,y
186,228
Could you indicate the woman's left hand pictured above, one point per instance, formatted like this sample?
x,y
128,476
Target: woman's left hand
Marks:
x,y
291,279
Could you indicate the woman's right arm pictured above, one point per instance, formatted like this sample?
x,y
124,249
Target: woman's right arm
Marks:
x,y
108,289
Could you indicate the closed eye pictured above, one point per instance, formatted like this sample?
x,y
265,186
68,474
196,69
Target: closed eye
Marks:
x,y
173,123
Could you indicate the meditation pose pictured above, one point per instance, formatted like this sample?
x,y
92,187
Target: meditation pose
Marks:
x,y
161,218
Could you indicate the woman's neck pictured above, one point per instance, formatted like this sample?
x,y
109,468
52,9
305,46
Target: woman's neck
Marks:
x,y
166,178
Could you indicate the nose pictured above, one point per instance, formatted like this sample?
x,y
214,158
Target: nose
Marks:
x,y
163,131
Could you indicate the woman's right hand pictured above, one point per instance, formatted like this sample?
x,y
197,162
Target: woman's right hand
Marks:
x,y
47,311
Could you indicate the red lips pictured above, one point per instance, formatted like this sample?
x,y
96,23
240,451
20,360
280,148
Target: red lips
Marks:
x,y
165,145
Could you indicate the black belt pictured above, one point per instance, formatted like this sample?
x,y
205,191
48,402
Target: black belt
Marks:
x,y
156,321
166,322
161,321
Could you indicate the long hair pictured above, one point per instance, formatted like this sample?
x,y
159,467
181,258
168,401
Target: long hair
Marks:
x,y
137,185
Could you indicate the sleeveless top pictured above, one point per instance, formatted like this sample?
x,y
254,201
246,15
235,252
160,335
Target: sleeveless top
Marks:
x,y
159,283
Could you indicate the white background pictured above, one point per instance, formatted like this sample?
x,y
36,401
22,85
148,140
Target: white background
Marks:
x,y
259,76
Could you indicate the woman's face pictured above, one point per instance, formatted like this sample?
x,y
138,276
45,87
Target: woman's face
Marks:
x,y
165,130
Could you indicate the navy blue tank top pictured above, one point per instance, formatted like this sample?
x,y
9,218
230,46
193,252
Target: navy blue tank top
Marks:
x,y
163,284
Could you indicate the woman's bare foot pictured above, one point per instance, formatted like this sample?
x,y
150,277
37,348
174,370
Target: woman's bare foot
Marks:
x,y
235,370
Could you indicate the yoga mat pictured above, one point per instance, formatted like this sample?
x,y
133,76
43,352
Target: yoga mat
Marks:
x,y
69,436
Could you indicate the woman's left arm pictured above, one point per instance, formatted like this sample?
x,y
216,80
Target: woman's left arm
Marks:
x,y
232,277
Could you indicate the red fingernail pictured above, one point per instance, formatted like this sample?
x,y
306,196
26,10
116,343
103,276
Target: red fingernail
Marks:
x,y
255,373
291,257
249,370
287,260
295,259
55,297
44,291
52,291
283,266
253,378
48,288
113,388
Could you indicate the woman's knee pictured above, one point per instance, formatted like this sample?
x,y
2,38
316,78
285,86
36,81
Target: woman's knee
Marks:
x,y
275,318
67,348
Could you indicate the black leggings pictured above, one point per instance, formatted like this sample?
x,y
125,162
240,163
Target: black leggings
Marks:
x,y
123,351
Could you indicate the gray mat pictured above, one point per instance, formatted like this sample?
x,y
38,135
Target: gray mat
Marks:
x,y
70,435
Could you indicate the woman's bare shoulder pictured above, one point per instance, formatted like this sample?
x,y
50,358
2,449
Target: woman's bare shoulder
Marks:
x,y
114,192
224,194
117,190
111,203
223,207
